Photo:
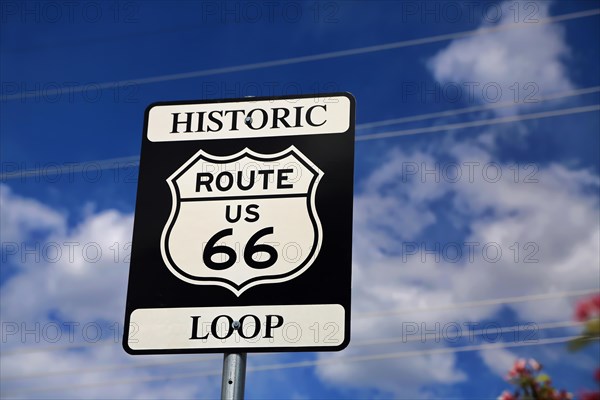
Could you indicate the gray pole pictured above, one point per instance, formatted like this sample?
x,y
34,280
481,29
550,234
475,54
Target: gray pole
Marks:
x,y
234,376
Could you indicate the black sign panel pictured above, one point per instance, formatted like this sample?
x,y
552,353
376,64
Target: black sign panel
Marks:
x,y
242,238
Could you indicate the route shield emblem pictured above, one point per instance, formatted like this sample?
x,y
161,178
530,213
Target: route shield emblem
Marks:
x,y
242,220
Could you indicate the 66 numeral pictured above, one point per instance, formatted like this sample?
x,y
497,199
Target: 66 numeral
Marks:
x,y
250,250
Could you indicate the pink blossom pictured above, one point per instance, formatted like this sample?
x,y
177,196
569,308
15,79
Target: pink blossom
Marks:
x,y
518,368
588,308
582,312
506,395
590,396
520,365
535,365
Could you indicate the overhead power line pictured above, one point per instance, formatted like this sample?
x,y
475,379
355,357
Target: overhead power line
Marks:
x,y
480,303
484,107
46,349
315,57
481,122
303,364
106,368
477,303
75,167
405,354
133,161
523,328
382,341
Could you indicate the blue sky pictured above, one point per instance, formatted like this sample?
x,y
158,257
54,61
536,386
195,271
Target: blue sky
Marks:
x,y
416,196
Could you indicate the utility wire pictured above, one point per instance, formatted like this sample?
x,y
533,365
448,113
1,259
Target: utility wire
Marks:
x,y
485,107
482,122
75,167
404,354
524,328
527,328
303,364
479,303
133,161
106,165
109,368
358,315
316,57
46,349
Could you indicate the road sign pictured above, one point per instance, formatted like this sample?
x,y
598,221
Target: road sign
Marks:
x,y
242,237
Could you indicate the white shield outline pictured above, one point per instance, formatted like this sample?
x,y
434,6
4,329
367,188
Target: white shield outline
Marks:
x,y
246,152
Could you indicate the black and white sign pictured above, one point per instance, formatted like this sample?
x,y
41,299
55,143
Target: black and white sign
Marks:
x,y
243,226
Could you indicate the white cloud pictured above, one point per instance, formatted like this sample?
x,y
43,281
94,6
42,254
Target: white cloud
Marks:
x,y
395,205
74,274
406,215
531,57
48,367
21,217
403,378
85,288
60,284
498,360
552,223
552,219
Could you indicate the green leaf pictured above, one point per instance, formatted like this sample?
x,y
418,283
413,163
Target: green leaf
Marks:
x,y
542,378
592,327
578,343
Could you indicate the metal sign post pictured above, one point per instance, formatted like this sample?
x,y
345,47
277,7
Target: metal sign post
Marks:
x,y
242,240
234,376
